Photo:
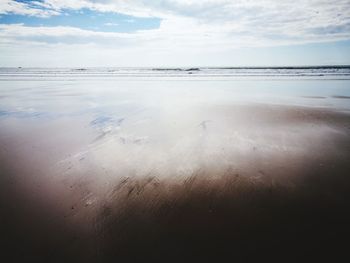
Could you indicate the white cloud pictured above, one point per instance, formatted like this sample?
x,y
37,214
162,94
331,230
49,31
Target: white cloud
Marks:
x,y
188,27
21,8
111,24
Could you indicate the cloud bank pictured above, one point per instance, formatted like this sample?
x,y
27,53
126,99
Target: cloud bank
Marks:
x,y
186,27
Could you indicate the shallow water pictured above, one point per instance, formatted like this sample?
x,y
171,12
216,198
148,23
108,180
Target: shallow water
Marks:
x,y
81,152
157,116
120,96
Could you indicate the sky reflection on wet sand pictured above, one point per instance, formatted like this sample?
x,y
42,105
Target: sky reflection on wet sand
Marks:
x,y
77,148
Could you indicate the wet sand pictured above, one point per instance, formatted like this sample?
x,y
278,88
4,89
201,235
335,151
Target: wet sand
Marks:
x,y
239,183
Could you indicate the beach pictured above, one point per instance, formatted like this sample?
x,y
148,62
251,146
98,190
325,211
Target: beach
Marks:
x,y
99,166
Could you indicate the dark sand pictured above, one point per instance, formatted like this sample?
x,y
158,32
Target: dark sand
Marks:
x,y
287,203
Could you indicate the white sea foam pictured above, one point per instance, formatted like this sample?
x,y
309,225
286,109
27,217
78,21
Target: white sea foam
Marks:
x,y
319,72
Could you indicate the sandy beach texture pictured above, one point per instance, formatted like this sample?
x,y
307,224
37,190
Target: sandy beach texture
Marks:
x,y
242,182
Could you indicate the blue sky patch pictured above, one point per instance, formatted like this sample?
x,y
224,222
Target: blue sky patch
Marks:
x,y
86,19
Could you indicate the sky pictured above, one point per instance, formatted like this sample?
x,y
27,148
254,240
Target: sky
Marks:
x,y
165,33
